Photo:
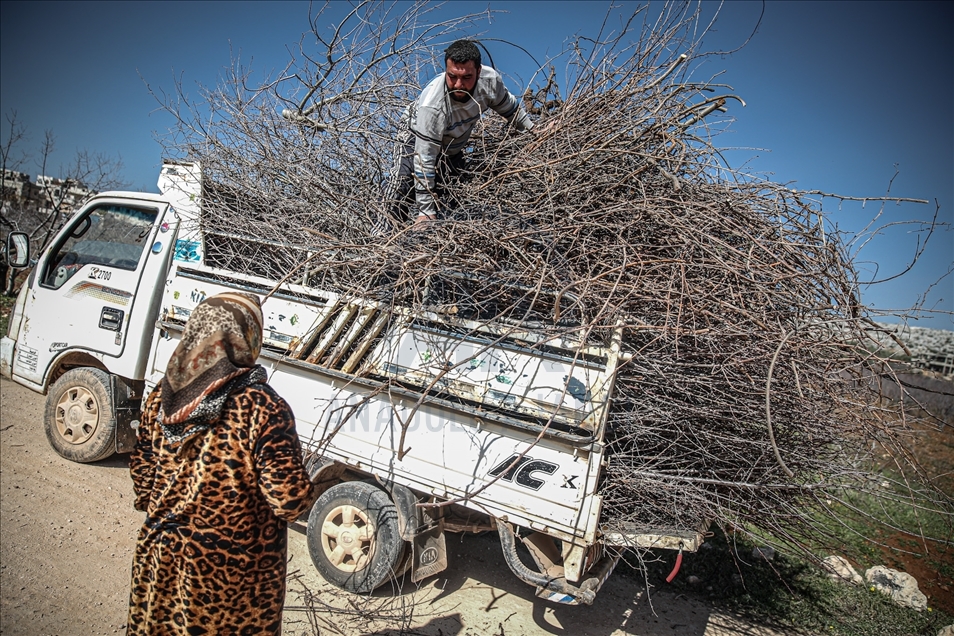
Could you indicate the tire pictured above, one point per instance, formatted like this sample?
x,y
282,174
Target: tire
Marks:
x,y
79,420
353,536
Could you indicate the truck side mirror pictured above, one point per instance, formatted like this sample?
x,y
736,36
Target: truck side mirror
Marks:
x,y
18,249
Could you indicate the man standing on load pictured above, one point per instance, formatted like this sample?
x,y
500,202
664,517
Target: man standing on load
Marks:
x,y
435,128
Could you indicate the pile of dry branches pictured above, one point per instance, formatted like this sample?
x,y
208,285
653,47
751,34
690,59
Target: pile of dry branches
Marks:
x,y
745,401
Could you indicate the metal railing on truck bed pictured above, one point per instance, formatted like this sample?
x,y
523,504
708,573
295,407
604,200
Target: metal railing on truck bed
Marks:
x,y
532,380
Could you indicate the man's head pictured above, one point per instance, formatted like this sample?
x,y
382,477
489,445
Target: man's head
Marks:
x,y
462,68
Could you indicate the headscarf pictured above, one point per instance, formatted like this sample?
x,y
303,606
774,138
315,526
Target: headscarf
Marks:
x,y
215,358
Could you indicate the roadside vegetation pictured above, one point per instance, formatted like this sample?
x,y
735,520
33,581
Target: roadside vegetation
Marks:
x,y
6,306
792,593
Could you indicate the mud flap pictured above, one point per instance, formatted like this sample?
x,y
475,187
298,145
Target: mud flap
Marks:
x,y
127,414
430,553
424,529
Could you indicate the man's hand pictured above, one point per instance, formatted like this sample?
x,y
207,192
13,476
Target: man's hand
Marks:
x,y
537,134
422,220
542,129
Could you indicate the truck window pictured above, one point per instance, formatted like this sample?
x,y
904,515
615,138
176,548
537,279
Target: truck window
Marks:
x,y
113,236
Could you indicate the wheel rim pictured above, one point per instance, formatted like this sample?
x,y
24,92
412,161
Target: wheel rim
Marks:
x,y
347,538
77,415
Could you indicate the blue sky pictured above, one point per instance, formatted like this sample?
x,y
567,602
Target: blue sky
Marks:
x,y
837,94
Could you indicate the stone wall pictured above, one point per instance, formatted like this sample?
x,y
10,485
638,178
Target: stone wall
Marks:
x,y
931,349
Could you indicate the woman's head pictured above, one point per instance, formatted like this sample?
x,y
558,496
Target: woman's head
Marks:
x,y
235,319
222,336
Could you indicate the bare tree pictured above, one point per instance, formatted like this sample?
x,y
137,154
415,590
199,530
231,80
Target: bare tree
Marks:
x,y
11,158
16,133
39,208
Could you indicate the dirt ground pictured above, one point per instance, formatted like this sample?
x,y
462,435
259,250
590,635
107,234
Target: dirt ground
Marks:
x,y
67,534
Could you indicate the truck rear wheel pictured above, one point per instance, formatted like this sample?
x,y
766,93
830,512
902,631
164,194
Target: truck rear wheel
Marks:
x,y
353,536
79,420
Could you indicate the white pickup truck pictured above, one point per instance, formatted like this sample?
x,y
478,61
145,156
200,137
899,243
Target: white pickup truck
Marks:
x,y
415,423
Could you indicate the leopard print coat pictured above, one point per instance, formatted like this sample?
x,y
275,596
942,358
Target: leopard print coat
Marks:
x,y
211,555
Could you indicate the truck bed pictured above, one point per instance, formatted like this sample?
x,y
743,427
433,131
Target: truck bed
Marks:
x,y
482,413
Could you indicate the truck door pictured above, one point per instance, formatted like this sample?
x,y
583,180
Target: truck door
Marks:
x,y
84,285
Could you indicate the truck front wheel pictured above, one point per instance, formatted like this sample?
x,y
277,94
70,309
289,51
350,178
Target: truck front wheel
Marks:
x,y
79,419
353,536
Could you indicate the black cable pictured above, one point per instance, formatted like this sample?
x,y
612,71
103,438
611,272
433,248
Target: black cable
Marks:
x,y
489,56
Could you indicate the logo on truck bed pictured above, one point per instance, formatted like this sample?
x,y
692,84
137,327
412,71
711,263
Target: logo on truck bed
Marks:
x,y
519,470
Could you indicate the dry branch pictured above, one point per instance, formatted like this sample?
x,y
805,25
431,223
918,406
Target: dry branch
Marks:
x,y
747,398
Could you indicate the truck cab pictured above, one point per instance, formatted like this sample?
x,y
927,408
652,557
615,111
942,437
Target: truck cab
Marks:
x,y
83,322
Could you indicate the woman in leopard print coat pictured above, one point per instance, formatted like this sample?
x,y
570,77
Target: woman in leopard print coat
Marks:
x,y
218,471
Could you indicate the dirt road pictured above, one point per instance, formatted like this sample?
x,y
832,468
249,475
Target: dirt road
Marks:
x,y
67,534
